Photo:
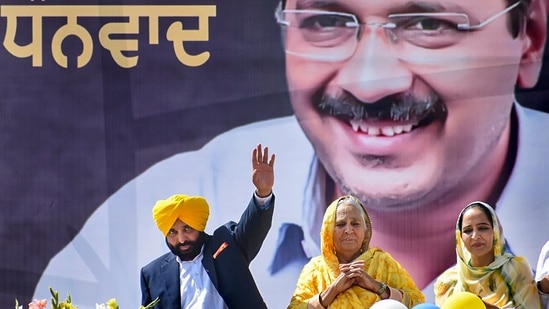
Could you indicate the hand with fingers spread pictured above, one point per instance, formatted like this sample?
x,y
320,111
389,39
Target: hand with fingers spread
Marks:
x,y
263,170
227,252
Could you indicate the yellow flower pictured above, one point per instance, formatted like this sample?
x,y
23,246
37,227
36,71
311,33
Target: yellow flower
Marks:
x,y
111,304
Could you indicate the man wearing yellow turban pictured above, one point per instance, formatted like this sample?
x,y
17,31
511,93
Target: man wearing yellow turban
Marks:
x,y
210,271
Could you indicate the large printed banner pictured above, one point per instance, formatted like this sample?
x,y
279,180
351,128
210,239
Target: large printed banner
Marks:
x,y
109,106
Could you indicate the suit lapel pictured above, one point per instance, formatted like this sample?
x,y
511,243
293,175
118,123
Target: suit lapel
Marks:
x,y
170,270
208,262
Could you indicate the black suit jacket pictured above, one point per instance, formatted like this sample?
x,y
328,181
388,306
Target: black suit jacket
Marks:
x,y
229,271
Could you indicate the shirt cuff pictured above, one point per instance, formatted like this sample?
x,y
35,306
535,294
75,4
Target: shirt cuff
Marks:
x,y
263,202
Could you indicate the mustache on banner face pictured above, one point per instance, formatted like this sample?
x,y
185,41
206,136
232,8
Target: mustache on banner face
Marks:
x,y
404,106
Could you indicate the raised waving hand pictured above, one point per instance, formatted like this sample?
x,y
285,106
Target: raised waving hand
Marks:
x,y
262,170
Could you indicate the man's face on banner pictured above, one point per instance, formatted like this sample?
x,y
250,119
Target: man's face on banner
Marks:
x,y
402,107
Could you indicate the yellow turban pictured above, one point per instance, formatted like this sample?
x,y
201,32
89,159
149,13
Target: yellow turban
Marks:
x,y
193,210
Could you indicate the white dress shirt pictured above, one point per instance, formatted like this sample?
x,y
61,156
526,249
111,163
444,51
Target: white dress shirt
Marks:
x,y
197,290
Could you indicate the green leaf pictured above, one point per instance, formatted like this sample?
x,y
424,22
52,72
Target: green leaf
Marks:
x,y
153,303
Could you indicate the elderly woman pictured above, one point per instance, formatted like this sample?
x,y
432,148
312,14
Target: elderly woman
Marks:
x,y
350,274
483,267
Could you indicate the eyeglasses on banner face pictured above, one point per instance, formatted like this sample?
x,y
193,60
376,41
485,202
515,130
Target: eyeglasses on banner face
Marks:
x,y
333,36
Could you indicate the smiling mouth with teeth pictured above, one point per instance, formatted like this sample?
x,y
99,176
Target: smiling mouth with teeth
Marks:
x,y
393,115
361,126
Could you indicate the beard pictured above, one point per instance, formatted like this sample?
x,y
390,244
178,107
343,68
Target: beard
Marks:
x,y
192,252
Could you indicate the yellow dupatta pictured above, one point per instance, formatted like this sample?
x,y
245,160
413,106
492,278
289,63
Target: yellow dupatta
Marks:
x,y
322,270
507,282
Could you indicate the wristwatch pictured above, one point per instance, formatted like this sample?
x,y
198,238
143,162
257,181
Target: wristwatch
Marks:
x,y
382,289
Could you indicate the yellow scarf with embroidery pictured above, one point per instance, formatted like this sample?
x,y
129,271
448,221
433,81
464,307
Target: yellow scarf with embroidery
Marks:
x,y
507,282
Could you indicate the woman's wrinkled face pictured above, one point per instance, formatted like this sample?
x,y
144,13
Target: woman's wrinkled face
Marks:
x,y
477,234
349,232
